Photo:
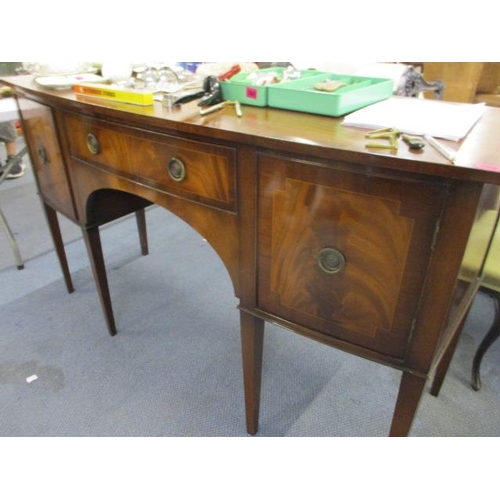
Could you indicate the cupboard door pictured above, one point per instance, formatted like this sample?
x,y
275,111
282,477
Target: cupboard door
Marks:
x,y
46,157
344,253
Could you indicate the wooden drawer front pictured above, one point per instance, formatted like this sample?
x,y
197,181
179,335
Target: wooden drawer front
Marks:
x,y
45,153
344,253
200,171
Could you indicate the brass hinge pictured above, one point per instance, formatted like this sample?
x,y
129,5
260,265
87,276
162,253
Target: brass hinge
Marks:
x,y
435,235
412,329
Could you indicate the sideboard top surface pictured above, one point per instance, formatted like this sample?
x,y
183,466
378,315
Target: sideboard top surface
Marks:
x,y
289,131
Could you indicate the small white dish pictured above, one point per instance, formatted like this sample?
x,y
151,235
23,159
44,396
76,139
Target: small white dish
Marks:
x,y
66,82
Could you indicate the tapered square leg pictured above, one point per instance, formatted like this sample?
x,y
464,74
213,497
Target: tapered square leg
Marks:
x,y
140,217
410,392
55,232
94,249
252,341
444,361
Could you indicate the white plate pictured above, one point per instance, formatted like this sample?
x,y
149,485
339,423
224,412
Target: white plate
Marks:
x,y
66,82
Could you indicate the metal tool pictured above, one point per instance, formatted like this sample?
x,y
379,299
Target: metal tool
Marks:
x,y
388,134
222,105
414,143
209,94
188,98
213,92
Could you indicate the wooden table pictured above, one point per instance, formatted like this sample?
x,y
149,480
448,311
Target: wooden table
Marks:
x,y
357,249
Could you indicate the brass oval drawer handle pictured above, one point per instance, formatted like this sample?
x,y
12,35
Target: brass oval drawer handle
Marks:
x,y
331,260
42,155
93,144
176,169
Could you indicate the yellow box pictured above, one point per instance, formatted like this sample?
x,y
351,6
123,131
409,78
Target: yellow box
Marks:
x,y
131,96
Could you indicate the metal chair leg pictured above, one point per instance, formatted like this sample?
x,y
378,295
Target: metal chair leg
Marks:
x,y
12,241
3,220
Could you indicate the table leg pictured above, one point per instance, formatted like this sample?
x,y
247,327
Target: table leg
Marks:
x,y
445,361
252,341
410,392
140,217
93,243
55,231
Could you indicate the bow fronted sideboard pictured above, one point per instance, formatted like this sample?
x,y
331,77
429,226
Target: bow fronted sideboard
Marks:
x,y
359,249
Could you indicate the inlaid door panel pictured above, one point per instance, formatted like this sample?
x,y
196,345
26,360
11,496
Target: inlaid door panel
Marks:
x,y
45,154
344,253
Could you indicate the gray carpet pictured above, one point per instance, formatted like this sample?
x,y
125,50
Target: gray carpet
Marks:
x,y
174,367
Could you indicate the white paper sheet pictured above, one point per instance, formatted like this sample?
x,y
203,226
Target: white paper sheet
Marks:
x,y
447,120
8,109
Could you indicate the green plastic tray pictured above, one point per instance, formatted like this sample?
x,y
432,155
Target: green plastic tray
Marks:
x,y
239,88
300,95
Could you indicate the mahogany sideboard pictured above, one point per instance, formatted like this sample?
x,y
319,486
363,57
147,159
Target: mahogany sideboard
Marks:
x,y
356,248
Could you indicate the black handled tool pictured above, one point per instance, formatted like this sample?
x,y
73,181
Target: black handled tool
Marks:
x,y
188,98
413,142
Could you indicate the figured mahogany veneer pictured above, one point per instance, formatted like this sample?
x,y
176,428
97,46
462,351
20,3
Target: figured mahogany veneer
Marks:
x,y
384,229
359,250
209,175
49,167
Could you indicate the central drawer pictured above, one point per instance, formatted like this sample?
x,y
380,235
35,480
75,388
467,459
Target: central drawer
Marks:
x,y
190,169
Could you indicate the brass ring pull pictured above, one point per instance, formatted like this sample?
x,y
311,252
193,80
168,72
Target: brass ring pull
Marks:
x,y
42,155
93,144
176,169
331,260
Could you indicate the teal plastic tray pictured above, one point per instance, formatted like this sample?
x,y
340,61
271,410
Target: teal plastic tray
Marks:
x,y
300,95
240,88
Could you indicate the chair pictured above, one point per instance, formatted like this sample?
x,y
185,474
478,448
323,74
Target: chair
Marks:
x,y
471,82
488,87
490,284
